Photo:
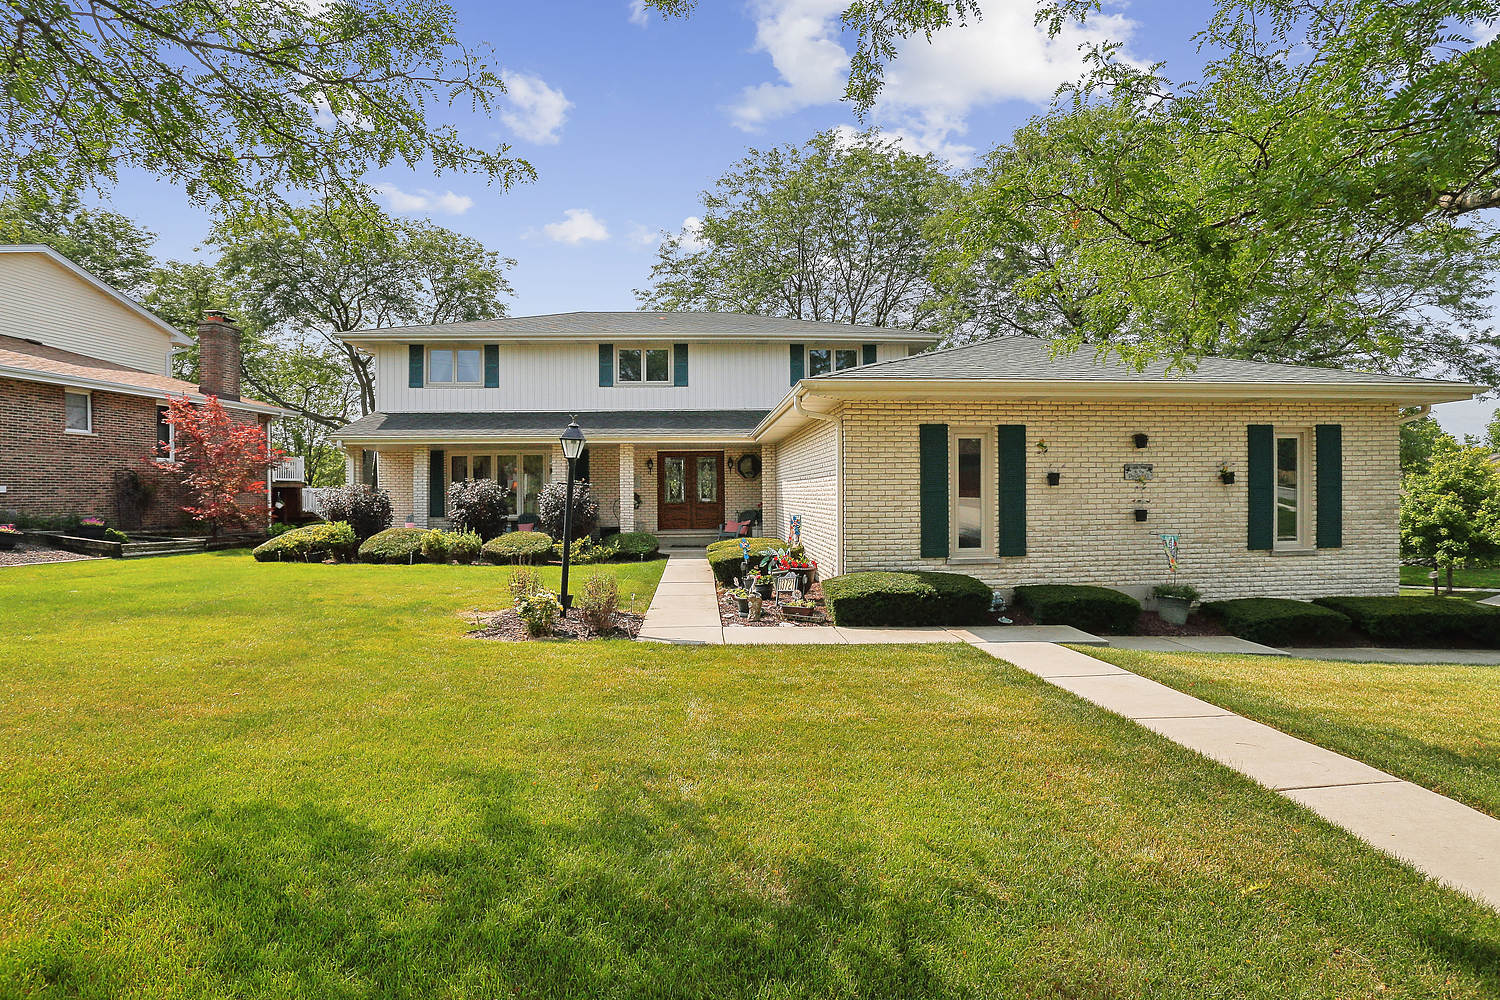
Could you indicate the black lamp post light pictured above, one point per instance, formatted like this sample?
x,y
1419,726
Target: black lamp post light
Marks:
x,y
572,442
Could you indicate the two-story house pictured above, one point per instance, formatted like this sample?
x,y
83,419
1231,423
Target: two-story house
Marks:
x,y
998,459
85,376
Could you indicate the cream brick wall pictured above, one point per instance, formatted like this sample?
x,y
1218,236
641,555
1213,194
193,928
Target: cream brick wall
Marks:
x,y
421,500
1083,530
394,470
604,481
806,483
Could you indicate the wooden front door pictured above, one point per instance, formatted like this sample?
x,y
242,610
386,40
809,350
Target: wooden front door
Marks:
x,y
689,490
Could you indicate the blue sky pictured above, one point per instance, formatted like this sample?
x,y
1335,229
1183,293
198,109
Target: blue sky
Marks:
x,y
627,117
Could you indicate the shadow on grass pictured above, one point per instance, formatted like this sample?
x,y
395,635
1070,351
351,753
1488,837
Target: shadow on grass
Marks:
x,y
639,899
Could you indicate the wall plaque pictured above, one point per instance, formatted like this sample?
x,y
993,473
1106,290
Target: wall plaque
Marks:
x,y
1139,472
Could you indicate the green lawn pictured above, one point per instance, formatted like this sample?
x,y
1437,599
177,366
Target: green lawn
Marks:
x,y
223,779
1435,724
1480,576
1457,595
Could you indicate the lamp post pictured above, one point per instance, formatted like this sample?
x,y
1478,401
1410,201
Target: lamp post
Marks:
x,y
572,442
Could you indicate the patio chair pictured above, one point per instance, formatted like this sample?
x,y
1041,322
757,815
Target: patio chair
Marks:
x,y
734,529
749,517
527,522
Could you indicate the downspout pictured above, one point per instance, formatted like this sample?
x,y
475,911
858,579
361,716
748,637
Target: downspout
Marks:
x,y
1421,412
839,445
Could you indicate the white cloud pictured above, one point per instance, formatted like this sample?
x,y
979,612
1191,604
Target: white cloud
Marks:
x,y
535,111
423,201
638,13
1486,32
642,236
931,87
578,225
692,234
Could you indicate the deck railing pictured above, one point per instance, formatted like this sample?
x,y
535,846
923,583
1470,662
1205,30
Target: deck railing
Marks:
x,y
290,470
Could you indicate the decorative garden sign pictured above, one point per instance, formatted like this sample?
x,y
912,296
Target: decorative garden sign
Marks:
x,y
1139,472
785,585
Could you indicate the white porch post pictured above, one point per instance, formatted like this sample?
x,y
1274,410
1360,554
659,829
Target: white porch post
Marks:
x,y
419,469
627,487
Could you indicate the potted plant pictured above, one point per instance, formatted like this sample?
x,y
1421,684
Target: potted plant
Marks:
x,y
741,598
803,569
91,527
760,586
801,609
9,536
1173,600
1226,474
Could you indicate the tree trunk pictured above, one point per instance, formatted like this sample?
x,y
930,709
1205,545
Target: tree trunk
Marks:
x,y
1450,579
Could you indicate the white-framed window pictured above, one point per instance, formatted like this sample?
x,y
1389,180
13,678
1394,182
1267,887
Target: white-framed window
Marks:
x,y
455,365
644,365
1292,487
166,435
524,472
971,492
78,411
822,359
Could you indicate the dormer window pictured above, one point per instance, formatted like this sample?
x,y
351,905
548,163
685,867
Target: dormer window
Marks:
x,y
644,365
455,366
822,360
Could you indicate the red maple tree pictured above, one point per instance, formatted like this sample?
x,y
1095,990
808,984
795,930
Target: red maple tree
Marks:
x,y
221,461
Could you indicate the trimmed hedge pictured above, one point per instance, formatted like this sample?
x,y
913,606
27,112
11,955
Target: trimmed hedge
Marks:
x,y
328,539
724,555
1093,609
393,545
1411,621
634,544
907,599
1278,621
518,547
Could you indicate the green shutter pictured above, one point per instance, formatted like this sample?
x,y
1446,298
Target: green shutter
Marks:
x,y
414,365
1330,464
932,490
869,352
1011,440
492,366
679,364
606,364
1260,441
797,359
435,492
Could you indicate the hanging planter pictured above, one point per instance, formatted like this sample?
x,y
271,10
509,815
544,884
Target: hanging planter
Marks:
x,y
1140,513
1053,478
1141,440
1227,478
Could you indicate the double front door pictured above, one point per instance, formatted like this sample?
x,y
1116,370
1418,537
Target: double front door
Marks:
x,y
689,490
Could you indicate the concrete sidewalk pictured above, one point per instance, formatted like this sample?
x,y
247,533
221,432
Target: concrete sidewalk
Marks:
x,y
1440,837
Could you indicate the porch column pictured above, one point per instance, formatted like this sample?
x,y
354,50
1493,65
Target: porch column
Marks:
x,y
627,487
419,476
351,467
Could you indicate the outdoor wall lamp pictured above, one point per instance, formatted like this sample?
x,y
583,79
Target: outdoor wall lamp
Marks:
x,y
649,464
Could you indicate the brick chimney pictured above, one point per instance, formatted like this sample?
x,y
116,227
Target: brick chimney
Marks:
x,y
218,356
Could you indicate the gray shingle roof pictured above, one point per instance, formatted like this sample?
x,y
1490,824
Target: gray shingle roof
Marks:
x,y
594,325
1027,359
598,423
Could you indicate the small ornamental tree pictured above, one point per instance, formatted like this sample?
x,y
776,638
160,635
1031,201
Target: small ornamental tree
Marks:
x,y
480,506
1451,512
553,498
222,462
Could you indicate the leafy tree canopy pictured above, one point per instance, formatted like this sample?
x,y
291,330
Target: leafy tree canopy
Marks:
x,y
1321,193
1420,439
106,244
1451,512
832,230
234,97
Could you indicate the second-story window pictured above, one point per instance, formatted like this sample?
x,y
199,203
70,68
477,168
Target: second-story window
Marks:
x,y
822,360
644,365
455,366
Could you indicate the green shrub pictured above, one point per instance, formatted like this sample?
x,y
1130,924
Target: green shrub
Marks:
x,y
724,556
585,552
434,547
393,545
634,544
280,528
1277,621
1093,609
598,601
524,581
330,538
539,612
1412,621
907,599
518,547
115,535
366,511
464,546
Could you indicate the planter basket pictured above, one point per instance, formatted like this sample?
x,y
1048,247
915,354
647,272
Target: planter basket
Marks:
x,y
801,614
8,541
1173,610
90,531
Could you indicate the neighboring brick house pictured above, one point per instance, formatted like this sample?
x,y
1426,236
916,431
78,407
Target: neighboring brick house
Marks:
x,y
85,375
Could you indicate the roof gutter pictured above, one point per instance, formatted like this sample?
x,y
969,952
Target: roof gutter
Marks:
x,y
126,389
1422,411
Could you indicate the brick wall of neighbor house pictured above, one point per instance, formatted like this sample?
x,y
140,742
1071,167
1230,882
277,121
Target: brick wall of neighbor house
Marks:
x,y
48,472
1083,530
807,484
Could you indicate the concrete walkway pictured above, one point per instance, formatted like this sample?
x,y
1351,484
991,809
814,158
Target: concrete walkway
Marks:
x,y
1389,654
1440,837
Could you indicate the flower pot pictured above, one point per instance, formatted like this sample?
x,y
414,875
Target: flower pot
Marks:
x,y
802,614
1227,478
804,576
764,590
8,540
1140,513
89,531
1173,610
742,605
1053,478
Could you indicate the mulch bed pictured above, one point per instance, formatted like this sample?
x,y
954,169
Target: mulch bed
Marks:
x,y
770,617
32,553
1198,623
507,626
